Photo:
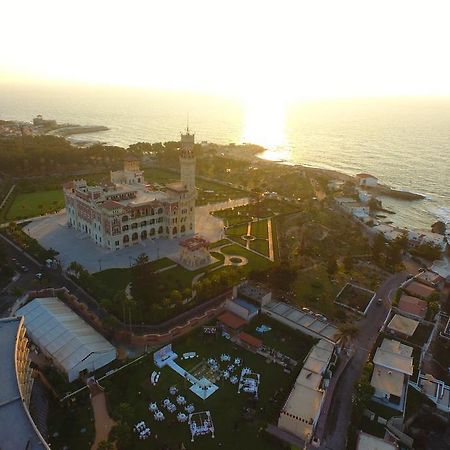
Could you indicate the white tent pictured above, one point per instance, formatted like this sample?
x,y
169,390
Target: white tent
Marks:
x,y
65,337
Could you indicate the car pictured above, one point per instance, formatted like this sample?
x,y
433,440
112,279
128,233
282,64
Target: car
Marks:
x,y
306,310
380,301
24,268
39,276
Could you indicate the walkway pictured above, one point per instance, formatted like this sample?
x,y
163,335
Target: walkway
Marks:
x,y
270,236
103,422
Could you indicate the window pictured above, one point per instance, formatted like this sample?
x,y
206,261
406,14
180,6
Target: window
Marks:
x,y
134,237
126,239
117,243
125,228
124,218
134,226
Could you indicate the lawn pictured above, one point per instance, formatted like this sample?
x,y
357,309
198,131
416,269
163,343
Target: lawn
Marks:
x,y
232,430
255,262
259,229
35,204
260,246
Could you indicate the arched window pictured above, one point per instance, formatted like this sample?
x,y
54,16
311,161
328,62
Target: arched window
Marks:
x,y
135,237
133,226
152,212
152,231
144,223
144,234
174,231
160,230
125,228
126,239
124,218
160,211
183,228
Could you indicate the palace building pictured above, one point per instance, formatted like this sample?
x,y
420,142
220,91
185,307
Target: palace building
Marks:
x,y
127,210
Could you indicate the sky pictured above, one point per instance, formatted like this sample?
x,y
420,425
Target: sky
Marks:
x,y
249,49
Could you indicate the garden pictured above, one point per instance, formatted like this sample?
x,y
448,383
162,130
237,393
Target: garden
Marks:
x,y
239,418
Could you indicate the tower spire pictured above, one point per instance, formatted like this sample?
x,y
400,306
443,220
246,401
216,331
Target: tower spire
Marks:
x,y
187,124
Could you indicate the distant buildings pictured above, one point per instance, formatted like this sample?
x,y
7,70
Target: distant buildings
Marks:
x,y
128,211
17,429
39,121
365,179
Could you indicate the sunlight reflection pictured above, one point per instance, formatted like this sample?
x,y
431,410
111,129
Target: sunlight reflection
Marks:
x,y
265,123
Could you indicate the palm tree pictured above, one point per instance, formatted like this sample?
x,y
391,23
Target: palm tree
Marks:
x,y
347,332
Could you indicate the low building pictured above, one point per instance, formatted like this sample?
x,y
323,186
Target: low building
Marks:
x,y
389,232
436,390
427,237
365,179
250,342
17,429
430,278
393,365
231,323
63,336
366,441
353,207
416,289
242,308
301,411
413,306
335,185
402,326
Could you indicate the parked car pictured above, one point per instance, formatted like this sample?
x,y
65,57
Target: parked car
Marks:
x,y
39,276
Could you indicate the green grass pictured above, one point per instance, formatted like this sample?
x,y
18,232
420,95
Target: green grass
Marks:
x,y
132,386
255,262
35,203
260,246
237,230
259,229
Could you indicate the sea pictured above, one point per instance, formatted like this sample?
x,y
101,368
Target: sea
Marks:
x,y
405,142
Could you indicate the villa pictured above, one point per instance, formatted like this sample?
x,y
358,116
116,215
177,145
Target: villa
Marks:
x,y
393,365
127,210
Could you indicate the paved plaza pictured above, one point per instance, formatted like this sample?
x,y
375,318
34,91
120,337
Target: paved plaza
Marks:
x,y
52,232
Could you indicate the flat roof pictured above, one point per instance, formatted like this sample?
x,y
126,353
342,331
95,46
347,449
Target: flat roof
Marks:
x,y
369,442
393,346
418,289
17,429
231,320
413,305
250,340
389,381
248,306
309,379
303,403
403,325
428,276
403,364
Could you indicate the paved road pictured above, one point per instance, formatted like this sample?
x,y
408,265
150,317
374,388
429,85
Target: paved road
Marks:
x,y
28,282
340,411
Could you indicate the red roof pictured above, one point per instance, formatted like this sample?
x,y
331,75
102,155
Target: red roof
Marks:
x,y
421,290
413,305
250,340
194,243
111,204
231,320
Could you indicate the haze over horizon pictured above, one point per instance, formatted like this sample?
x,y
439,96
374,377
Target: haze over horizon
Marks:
x,y
284,50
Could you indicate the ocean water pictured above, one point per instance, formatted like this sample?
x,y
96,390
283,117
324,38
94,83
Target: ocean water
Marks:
x,y
404,142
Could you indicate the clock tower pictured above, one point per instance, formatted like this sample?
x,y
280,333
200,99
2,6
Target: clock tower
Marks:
x,y
187,161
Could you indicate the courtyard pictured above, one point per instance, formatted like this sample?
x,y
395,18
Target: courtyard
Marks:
x,y
52,232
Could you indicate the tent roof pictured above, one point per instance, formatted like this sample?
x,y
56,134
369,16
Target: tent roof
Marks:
x,y
54,327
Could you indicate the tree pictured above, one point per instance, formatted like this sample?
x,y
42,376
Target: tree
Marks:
x,y
105,445
176,297
433,308
125,412
141,259
347,332
374,204
348,263
332,266
439,227
379,243
282,277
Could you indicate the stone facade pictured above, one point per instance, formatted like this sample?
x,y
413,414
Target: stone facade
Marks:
x,y
127,210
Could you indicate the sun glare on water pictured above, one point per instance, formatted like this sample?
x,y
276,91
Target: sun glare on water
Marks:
x,y
265,125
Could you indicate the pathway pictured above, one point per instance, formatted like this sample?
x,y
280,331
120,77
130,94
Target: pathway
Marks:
x,y
249,232
270,236
103,422
6,197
